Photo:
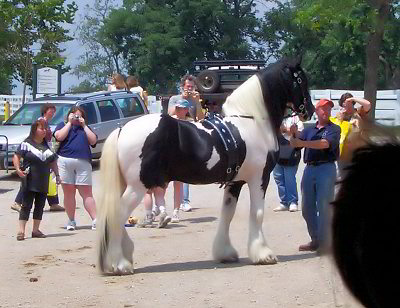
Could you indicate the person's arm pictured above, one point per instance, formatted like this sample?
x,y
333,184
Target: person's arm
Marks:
x,y
92,137
171,105
312,144
365,104
54,167
62,133
17,163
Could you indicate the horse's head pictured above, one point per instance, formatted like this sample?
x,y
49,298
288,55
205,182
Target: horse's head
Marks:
x,y
299,98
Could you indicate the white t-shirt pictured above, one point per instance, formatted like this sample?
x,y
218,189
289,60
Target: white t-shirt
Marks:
x,y
288,122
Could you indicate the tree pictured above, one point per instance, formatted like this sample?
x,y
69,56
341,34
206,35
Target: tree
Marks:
x,y
161,39
28,24
346,43
102,57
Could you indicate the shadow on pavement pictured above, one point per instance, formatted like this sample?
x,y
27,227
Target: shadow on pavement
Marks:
x,y
60,234
199,220
191,266
298,257
3,191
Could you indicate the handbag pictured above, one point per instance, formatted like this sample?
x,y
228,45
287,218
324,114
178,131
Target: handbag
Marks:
x,y
52,187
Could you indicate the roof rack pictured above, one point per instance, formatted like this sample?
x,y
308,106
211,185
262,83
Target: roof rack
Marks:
x,y
80,96
213,63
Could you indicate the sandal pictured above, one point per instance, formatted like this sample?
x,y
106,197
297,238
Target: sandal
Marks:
x,y
20,236
38,234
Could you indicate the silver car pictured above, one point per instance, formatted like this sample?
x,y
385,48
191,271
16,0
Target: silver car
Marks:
x,y
105,111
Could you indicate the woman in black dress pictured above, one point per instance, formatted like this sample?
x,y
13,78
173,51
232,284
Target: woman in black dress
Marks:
x,y
34,172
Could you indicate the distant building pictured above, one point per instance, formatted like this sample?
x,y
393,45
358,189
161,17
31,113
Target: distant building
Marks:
x,y
14,100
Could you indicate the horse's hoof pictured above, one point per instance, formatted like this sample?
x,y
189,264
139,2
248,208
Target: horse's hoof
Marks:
x,y
227,255
263,256
124,267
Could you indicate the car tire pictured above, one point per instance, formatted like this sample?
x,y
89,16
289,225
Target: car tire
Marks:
x,y
207,81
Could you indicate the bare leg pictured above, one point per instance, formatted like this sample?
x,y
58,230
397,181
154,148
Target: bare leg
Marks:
x,y
36,225
159,196
88,201
259,252
178,189
223,250
22,225
69,200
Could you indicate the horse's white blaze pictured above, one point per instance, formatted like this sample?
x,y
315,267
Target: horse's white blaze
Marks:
x,y
214,159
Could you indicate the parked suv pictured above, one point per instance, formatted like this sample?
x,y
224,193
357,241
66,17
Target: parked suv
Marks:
x,y
105,111
217,79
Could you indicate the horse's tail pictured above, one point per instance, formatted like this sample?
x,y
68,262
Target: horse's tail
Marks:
x,y
111,191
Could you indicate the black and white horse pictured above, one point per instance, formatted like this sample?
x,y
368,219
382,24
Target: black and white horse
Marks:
x,y
155,149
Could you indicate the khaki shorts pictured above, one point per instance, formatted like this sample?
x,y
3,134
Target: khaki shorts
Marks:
x,y
74,171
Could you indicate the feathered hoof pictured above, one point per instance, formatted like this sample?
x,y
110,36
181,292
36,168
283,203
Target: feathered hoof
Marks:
x,y
263,256
124,267
228,254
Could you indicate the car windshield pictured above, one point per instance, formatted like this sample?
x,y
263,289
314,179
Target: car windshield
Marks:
x,y
31,111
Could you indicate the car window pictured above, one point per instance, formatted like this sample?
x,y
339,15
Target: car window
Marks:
x,y
130,106
108,110
31,111
90,112
61,113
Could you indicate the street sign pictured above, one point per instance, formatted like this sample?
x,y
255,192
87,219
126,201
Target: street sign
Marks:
x,y
47,80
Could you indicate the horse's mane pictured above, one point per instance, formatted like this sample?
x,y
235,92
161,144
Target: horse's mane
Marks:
x,y
365,220
261,97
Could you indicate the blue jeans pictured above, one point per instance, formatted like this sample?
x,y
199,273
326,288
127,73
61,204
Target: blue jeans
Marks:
x,y
186,193
285,178
317,187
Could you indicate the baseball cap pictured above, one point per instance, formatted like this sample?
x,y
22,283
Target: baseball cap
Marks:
x,y
323,101
182,103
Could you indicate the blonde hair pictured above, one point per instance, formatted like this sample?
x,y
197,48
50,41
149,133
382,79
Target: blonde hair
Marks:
x,y
119,81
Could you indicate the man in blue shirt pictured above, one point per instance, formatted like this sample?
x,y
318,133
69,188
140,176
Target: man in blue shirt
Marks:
x,y
321,143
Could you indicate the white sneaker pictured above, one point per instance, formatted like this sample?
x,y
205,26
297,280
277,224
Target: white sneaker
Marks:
x,y
185,206
155,211
94,224
175,217
293,207
147,221
71,225
280,208
164,220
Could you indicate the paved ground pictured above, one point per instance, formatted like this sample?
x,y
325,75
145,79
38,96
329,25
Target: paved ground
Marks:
x,y
174,267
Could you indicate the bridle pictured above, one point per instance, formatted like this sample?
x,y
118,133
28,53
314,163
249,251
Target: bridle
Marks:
x,y
297,84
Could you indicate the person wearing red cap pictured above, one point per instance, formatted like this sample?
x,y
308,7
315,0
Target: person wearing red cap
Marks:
x,y
321,150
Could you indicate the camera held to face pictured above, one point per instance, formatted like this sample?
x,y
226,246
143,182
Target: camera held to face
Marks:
x,y
76,117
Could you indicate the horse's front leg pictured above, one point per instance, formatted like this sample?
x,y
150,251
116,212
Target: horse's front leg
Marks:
x,y
223,250
259,252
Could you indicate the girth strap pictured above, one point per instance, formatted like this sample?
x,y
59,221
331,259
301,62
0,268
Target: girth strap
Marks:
x,y
229,142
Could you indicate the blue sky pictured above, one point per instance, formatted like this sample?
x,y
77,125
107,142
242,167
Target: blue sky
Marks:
x,y
73,49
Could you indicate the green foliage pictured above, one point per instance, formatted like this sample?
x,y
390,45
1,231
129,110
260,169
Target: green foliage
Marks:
x,y
332,36
103,56
25,25
160,39
86,87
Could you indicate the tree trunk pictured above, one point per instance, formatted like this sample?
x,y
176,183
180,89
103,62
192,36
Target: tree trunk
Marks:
x,y
373,49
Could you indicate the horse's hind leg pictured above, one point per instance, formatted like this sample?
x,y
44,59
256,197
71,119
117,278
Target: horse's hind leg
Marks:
x,y
223,250
121,246
259,252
